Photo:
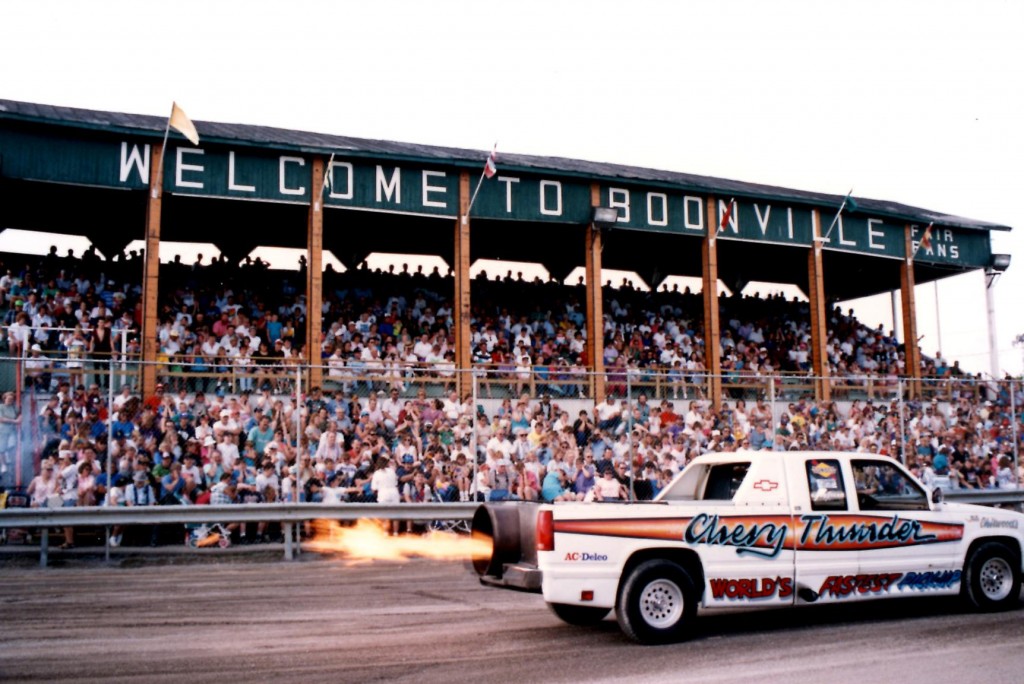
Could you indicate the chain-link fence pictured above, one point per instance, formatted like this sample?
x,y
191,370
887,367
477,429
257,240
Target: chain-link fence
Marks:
x,y
372,430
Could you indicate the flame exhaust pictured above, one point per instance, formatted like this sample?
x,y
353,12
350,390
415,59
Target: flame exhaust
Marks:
x,y
368,540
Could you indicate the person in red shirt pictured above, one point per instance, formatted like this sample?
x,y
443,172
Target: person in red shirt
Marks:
x,y
668,415
154,401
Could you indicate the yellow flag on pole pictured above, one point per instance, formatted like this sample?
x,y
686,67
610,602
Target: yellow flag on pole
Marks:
x,y
180,122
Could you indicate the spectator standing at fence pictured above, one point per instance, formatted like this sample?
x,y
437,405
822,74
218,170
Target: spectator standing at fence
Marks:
x,y
9,422
384,482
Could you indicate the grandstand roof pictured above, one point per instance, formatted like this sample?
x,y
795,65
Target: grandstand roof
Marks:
x,y
305,141
82,172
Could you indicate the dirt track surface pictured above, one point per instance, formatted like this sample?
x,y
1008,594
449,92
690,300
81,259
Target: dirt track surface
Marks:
x,y
262,619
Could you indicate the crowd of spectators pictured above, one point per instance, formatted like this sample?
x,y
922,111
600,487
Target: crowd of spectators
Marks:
x,y
214,438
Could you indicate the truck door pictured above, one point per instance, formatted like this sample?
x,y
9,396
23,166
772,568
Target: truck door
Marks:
x,y
820,497
905,544
742,531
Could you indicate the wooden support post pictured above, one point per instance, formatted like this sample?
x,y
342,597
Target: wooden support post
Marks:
x,y
463,315
912,353
819,315
595,310
315,274
151,274
712,335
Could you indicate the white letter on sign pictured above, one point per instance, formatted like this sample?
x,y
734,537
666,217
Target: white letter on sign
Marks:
x,y
618,198
182,167
136,159
663,199
557,211
872,234
428,188
392,190
842,238
763,220
347,195
687,203
508,181
284,189
232,185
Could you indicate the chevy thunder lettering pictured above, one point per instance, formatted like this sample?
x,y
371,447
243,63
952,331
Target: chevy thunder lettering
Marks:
x,y
766,536
819,531
759,539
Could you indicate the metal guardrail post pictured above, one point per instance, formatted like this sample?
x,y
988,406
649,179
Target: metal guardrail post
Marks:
x,y
629,430
901,421
1013,431
44,547
288,551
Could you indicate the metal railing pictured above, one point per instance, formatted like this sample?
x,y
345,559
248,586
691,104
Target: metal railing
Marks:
x,y
286,514
290,514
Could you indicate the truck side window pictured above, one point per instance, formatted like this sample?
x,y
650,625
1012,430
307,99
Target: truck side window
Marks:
x,y
825,484
882,486
724,481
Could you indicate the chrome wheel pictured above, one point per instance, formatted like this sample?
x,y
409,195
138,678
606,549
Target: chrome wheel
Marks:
x,y
661,603
996,579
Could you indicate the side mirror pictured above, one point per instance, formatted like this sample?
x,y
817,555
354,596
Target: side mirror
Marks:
x,y
937,495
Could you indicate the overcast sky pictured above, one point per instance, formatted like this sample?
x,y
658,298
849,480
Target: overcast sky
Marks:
x,y
917,102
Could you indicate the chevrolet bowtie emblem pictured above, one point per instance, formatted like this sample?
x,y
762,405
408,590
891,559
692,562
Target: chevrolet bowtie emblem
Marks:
x,y
766,485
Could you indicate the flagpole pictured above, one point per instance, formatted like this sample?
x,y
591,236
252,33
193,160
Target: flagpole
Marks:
x,y
479,182
920,243
835,219
163,151
328,175
473,198
725,218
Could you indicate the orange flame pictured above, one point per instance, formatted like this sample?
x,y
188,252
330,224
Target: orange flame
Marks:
x,y
368,540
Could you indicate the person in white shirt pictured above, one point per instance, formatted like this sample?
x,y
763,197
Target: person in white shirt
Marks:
x,y
228,449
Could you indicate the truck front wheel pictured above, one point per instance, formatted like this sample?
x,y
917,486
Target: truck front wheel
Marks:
x,y
657,602
992,577
578,615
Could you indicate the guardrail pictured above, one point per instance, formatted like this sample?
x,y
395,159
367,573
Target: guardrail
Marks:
x,y
986,497
291,513
287,514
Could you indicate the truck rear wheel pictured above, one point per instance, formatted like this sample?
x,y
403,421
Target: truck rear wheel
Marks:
x,y
578,615
992,580
657,603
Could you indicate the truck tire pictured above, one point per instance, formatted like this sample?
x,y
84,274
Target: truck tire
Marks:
x,y
657,603
578,615
992,577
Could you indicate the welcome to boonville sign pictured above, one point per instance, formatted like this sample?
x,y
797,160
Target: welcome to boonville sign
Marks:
x,y
404,187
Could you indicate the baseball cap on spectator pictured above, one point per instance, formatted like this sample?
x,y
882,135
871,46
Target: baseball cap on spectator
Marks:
x,y
271,446
36,347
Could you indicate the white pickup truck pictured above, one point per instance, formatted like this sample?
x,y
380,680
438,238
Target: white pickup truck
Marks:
x,y
751,530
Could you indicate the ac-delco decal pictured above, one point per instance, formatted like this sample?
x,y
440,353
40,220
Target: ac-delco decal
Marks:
x,y
767,536
841,586
573,556
752,589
